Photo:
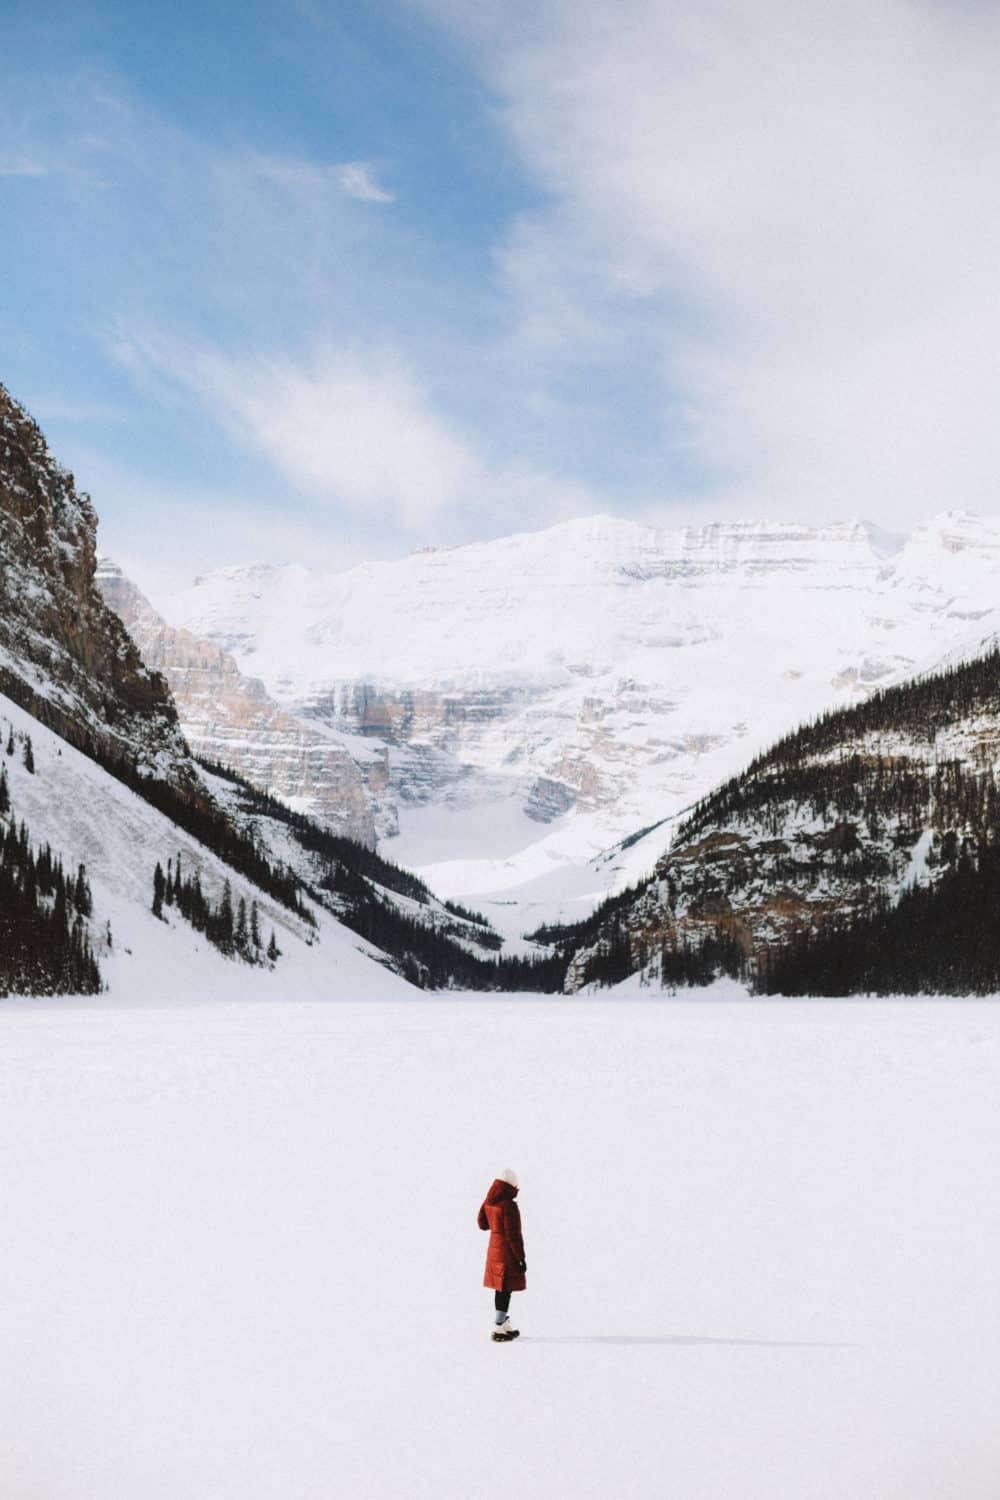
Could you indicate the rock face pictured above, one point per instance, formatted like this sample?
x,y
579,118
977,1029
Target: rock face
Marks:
x,y
64,656
541,697
229,718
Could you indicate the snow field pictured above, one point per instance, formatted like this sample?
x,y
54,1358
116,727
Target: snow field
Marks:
x,y
240,1256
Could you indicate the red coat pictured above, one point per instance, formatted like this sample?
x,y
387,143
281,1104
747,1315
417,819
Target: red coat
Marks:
x,y
502,1217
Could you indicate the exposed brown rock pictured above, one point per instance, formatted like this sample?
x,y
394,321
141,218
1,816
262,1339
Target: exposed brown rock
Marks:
x,y
64,656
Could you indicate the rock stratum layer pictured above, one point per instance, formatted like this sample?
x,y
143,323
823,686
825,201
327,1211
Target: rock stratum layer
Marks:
x,y
229,718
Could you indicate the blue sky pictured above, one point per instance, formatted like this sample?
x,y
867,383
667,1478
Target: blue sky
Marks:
x,y
324,280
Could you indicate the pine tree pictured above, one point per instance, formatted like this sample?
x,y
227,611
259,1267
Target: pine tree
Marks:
x,y
273,951
226,919
242,933
60,908
29,755
82,898
255,930
159,887
4,791
10,741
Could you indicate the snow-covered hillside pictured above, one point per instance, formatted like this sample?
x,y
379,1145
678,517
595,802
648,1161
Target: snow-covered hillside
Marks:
x,y
88,817
832,827
542,697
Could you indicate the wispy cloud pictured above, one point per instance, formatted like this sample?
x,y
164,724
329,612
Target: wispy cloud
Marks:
x,y
354,179
356,433
795,204
22,168
356,430
357,179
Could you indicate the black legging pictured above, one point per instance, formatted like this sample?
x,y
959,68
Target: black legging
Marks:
x,y
501,1301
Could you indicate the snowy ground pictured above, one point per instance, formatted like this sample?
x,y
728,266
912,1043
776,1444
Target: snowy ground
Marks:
x,y
240,1261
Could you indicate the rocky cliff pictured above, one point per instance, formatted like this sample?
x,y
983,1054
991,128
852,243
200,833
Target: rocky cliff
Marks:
x,y
64,656
229,718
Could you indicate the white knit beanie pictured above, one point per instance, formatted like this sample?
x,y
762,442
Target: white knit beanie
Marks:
x,y
508,1175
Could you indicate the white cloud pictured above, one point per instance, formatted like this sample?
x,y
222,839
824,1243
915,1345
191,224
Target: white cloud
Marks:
x,y
358,181
362,432
359,431
797,202
354,179
358,436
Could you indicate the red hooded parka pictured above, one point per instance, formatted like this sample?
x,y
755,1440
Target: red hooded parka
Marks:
x,y
502,1217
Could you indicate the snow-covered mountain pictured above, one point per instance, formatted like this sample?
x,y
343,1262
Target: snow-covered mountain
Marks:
x,y
120,849
540,698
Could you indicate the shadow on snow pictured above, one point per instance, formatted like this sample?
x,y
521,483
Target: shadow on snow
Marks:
x,y
680,1340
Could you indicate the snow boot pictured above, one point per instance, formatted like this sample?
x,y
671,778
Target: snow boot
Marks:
x,y
503,1333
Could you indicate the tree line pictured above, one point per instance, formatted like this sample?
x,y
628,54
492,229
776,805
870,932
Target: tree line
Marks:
x,y
427,952
45,946
941,939
236,933
819,765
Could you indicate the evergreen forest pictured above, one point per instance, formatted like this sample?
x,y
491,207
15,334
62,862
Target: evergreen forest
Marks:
x,y
45,946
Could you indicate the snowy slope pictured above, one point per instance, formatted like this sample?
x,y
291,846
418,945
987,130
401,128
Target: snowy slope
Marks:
x,y
88,817
542,697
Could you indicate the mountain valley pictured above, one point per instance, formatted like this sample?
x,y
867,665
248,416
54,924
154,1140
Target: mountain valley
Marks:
x,y
531,703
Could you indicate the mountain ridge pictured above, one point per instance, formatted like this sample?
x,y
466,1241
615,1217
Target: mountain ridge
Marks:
x,y
602,673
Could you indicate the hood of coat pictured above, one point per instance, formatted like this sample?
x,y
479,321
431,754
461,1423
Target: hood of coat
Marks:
x,y
500,1190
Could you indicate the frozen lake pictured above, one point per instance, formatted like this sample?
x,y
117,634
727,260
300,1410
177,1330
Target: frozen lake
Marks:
x,y
240,1258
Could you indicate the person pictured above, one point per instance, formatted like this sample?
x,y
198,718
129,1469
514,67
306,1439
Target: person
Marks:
x,y
505,1263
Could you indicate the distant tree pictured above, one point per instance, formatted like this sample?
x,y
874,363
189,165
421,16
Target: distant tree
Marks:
x,y
10,741
29,755
43,949
159,890
4,791
242,930
255,929
225,918
273,951
82,898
